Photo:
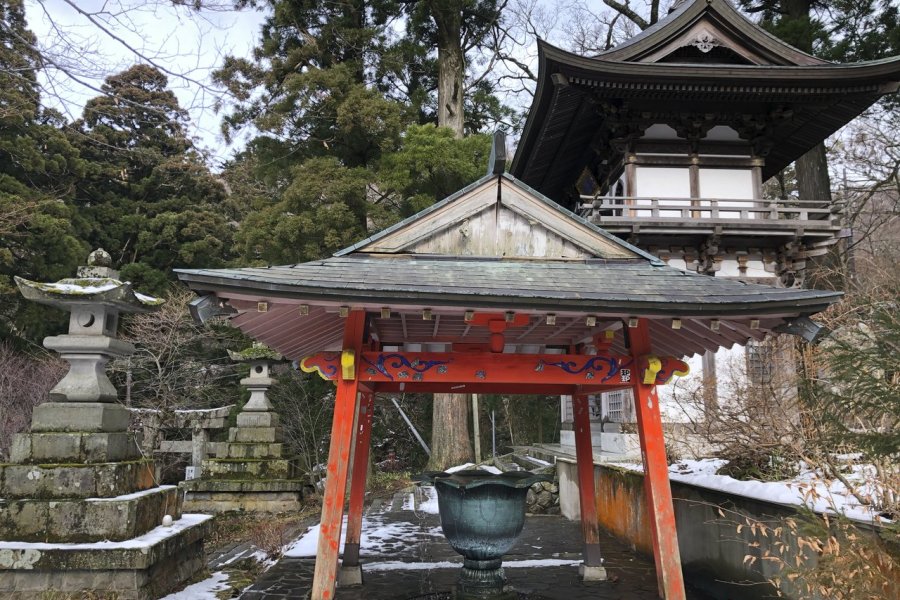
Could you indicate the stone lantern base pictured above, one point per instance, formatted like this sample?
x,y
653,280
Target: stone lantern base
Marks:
x,y
80,511
143,568
249,472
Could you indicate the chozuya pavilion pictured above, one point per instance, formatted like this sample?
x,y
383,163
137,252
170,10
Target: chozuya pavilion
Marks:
x,y
495,289
498,289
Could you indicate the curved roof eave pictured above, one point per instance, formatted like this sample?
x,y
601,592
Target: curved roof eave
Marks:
x,y
881,76
886,70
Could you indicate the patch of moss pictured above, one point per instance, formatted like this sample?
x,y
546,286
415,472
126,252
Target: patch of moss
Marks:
x,y
256,352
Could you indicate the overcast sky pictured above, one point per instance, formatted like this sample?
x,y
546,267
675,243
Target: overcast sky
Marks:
x,y
176,39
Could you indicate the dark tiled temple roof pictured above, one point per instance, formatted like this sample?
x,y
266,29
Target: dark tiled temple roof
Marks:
x,y
630,286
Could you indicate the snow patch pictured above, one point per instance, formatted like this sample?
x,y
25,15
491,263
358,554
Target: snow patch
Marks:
x,y
807,489
146,541
377,537
430,504
203,590
132,496
461,467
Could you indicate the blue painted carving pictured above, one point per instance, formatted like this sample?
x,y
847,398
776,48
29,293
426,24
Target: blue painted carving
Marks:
x,y
397,361
595,364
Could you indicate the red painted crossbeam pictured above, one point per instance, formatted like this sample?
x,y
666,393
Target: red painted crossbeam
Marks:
x,y
486,368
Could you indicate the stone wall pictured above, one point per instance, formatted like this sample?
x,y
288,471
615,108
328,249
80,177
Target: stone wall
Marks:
x,y
712,549
543,499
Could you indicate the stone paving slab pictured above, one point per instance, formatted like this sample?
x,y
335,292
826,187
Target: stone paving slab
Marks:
x,y
426,555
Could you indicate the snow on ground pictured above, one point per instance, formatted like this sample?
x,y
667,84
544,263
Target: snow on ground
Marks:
x,y
423,499
377,537
429,502
203,590
825,496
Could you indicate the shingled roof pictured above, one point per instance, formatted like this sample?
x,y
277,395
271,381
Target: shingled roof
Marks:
x,y
587,273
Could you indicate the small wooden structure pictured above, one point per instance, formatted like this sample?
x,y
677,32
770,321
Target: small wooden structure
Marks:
x,y
496,289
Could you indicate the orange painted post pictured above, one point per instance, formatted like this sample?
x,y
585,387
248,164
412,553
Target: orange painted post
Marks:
x,y
592,569
656,473
358,488
338,460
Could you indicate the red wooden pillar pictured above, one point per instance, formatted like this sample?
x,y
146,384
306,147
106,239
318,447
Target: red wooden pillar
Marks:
x,y
590,523
338,459
656,474
358,482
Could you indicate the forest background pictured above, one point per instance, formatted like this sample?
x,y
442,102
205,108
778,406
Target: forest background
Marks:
x,y
352,115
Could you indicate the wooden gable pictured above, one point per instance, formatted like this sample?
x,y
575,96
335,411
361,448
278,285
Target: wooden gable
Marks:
x,y
498,217
711,29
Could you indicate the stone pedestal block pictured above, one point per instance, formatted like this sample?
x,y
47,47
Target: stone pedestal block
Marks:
x,y
56,448
258,419
88,520
80,417
247,469
144,568
216,496
75,480
592,573
235,450
256,434
87,355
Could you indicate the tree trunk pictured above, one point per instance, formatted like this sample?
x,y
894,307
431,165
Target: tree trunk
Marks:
x,y
451,65
813,182
450,444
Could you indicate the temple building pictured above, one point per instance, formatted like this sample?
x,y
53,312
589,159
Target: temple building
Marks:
x,y
666,141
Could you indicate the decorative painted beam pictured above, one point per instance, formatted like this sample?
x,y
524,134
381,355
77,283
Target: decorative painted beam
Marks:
x,y
492,368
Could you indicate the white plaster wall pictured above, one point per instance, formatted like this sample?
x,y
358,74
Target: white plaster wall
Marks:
x,y
726,184
664,182
755,269
678,263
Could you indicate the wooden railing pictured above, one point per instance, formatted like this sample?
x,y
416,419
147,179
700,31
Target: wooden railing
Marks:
x,y
618,208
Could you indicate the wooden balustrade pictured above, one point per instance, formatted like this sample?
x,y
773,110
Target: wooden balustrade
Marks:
x,y
618,208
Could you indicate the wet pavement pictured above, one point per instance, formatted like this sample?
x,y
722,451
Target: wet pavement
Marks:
x,y
405,557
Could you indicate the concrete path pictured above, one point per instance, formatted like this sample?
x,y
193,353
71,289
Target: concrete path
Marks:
x,y
405,556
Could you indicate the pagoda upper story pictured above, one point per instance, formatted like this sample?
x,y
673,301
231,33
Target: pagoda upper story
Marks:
x,y
667,138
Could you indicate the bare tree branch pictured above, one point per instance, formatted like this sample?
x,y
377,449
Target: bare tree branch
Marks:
x,y
629,13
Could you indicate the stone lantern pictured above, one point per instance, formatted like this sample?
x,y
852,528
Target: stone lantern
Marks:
x,y
85,399
260,359
78,476
250,471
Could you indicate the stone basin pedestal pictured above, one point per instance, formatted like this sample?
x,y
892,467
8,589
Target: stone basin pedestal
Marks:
x,y
482,515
